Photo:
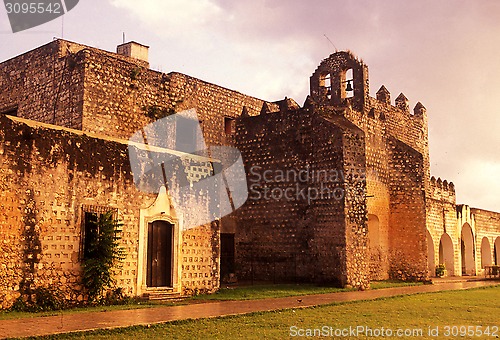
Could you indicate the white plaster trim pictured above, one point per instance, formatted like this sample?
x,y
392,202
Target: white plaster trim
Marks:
x,y
160,210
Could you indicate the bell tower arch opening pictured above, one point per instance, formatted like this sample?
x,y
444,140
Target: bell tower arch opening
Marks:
x,y
348,81
348,89
325,85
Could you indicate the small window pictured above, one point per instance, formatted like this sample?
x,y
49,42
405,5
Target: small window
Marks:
x,y
229,126
90,230
11,111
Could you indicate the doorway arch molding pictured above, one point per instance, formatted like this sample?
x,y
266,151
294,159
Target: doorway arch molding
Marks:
x,y
160,210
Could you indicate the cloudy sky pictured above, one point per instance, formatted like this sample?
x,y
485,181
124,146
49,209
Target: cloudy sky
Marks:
x,y
443,53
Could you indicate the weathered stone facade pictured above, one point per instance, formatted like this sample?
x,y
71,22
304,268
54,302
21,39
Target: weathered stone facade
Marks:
x,y
50,177
381,213
369,208
308,226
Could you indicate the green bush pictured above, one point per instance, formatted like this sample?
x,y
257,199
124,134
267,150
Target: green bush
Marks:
x,y
102,256
440,269
40,300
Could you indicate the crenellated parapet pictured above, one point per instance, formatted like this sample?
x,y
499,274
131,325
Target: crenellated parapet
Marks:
x,y
341,82
442,190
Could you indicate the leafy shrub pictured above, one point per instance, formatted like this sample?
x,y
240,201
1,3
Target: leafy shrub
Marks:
x,y
440,270
40,300
102,256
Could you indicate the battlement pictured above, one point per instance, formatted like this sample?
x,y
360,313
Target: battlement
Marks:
x,y
442,190
342,79
340,87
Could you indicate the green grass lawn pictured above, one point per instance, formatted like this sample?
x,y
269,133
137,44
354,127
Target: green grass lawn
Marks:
x,y
392,284
6,315
477,307
285,290
266,291
233,293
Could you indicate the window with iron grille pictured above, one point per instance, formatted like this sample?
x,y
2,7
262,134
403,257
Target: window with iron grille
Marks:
x,y
89,229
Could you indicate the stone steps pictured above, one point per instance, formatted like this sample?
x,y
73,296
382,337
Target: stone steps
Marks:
x,y
161,295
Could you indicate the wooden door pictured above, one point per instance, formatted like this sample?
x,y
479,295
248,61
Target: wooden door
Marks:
x,y
160,254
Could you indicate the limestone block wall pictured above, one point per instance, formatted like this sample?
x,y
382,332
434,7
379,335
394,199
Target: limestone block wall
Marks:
x,y
301,237
121,97
487,237
49,175
378,198
355,209
407,226
11,246
200,264
274,234
442,234
45,84
89,89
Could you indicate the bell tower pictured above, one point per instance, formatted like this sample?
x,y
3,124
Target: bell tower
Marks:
x,y
339,79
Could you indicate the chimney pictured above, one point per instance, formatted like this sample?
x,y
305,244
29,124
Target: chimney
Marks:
x,y
133,49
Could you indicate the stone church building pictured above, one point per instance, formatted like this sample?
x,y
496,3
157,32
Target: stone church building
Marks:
x,y
339,189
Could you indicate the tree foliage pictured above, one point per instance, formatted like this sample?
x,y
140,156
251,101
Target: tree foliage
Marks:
x,y
103,255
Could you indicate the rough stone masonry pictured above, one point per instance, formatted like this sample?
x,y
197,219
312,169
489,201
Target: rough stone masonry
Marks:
x,y
340,190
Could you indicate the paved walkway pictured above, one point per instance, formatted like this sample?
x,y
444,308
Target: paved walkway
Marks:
x,y
65,323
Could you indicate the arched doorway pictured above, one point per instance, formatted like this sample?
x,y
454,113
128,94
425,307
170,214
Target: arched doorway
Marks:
x,y
467,250
431,261
446,253
485,252
496,251
158,260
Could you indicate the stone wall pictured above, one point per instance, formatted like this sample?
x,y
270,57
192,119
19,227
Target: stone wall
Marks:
x,y
407,221
89,89
296,228
48,176
487,246
121,98
441,220
45,84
